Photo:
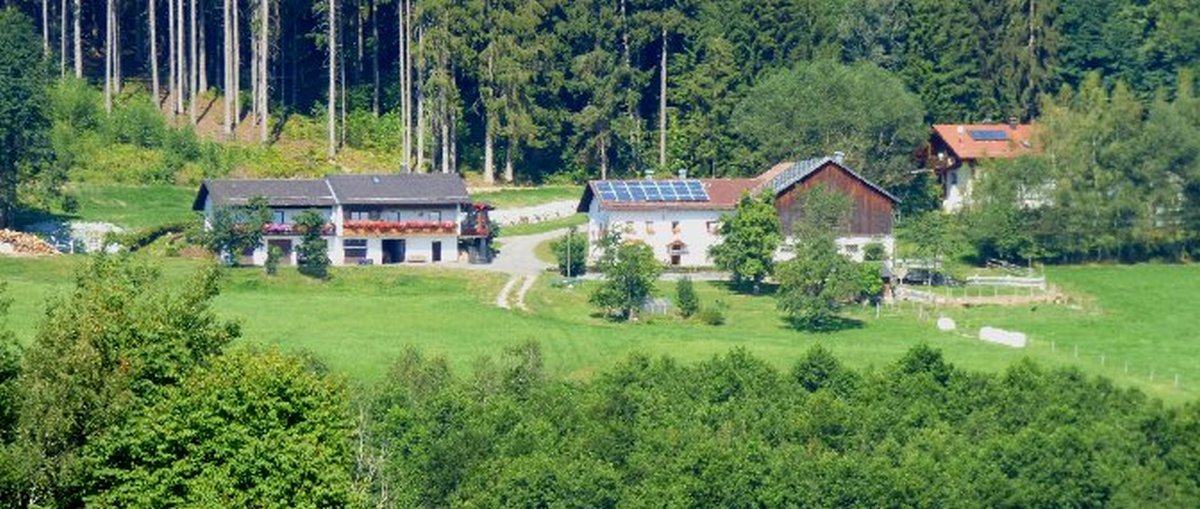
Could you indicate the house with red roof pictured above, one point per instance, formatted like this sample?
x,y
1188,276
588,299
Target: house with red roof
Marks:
x,y
955,150
680,218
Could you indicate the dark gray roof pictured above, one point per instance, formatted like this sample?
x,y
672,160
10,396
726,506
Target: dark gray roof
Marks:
x,y
409,188
278,192
406,188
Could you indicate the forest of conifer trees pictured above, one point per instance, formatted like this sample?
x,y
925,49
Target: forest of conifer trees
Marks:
x,y
520,89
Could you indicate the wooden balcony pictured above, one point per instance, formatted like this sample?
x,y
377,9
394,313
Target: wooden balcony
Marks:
x,y
378,228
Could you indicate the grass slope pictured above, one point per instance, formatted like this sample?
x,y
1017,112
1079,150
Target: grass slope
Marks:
x,y
129,207
360,321
526,196
544,226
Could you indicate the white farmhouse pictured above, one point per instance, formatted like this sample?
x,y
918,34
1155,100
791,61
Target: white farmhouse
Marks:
x,y
680,218
373,219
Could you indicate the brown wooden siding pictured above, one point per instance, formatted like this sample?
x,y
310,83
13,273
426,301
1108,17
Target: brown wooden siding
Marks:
x,y
872,211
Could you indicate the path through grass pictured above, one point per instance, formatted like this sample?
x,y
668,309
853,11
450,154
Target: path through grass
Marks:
x,y
358,323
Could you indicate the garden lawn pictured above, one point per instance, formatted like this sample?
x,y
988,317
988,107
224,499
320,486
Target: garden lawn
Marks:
x,y
361,320
130,207
526,196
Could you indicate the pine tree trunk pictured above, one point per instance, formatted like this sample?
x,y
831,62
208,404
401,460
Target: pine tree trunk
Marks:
x,y
108,55
603,160
226,74
46,27
171,84
237,63
358,48
374,59
154,88
264,72
405,21
62,39
662,105
489,156
420,86
203,86
116,43
453,143
508,160
332,99
78,40
180,56
444,124
193,68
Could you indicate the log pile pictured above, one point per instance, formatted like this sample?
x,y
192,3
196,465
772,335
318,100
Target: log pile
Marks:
x,y
19,243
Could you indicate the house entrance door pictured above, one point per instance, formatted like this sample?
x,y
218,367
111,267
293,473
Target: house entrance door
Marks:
x,y
437,251
393,250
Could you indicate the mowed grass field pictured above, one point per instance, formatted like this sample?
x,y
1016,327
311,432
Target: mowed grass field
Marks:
x,y
1137,316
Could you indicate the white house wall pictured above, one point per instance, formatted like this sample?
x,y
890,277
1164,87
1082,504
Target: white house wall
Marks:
x,y
655,229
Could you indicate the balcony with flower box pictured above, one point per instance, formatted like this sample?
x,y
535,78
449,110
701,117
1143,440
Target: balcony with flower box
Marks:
x,y
368,228
294,229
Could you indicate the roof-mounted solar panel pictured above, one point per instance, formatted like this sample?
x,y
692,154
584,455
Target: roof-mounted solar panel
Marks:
x,y
651,190
987,135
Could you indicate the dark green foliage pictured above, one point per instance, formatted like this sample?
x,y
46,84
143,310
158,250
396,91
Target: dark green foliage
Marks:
x,y
686,300
137,239
630,272
571,253
874,252
313,253
1114,181
815,283
251,430
822,107
136,121
749,238
24,115
235,230
271,266
711,315
734,432
111,345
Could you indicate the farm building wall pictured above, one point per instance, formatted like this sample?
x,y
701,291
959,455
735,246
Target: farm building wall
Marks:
x,y
871,211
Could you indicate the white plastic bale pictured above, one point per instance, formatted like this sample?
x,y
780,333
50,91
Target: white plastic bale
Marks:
x,y
1002,337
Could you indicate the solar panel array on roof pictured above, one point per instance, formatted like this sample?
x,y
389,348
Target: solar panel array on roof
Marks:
x,y
987,135
651,190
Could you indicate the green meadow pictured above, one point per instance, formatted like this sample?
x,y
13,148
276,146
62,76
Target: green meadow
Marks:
x,y
1139,318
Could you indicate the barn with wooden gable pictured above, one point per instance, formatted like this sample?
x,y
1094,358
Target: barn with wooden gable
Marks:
x,y
679,218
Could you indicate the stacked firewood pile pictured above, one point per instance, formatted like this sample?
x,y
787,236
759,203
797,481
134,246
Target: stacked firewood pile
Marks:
x,y
14,242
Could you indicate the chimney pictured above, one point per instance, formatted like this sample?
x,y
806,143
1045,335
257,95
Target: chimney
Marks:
x,y
683,174
839,157
649,174
1013,121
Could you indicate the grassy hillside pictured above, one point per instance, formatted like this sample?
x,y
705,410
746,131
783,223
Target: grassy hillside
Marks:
x,y
1140,315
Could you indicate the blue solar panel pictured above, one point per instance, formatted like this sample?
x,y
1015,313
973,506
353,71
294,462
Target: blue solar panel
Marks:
x,y
651,190
987,135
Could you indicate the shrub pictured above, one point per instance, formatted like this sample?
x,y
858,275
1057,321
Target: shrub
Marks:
x,y
685,297
712,316
272,263
313,253
75,104
570,252
136,240
137,122
874,252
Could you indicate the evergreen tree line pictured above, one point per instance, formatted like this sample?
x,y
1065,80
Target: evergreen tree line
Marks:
x,y
133,394
521,89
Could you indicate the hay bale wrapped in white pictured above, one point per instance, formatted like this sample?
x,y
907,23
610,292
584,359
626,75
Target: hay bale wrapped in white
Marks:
x,y
1002,337
945,324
